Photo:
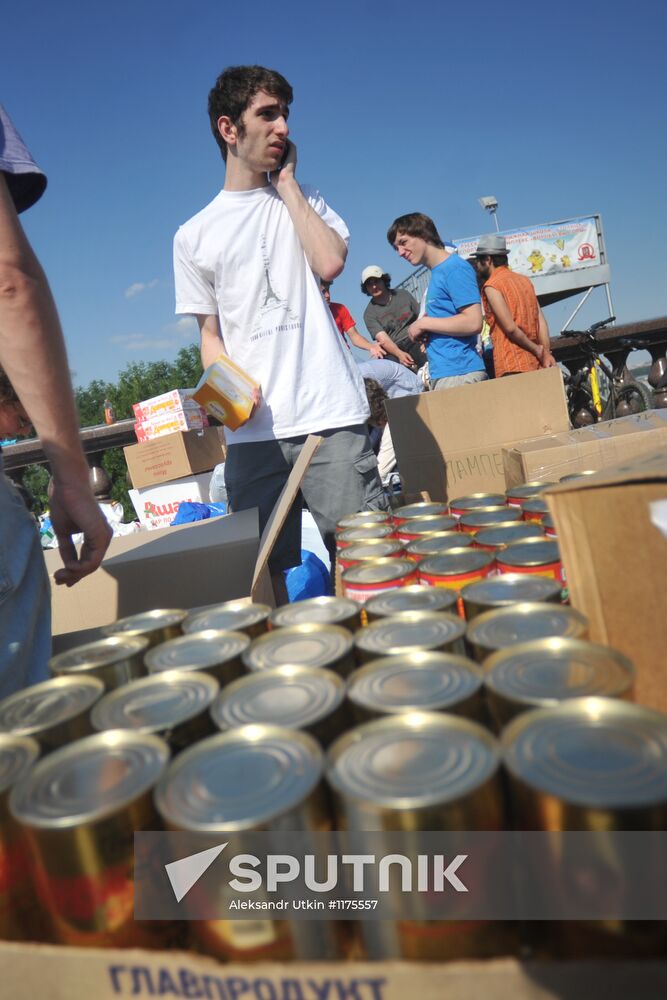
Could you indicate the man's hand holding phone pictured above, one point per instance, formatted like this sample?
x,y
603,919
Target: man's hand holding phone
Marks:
x,y
287,167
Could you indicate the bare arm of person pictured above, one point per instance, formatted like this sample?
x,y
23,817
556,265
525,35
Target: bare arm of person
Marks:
x,y
375,350
512,331
212,346
388,345
32,352
548,360
466,323
325,250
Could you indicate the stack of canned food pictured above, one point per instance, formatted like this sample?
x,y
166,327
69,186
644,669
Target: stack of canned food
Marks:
x,y
477,703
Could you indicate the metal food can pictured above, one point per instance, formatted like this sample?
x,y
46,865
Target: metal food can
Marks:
x,y
488,517
252,778
54,712
508,589
363,517
463,505
419,527
456,568
231,616
79,808
538,556
318,611
19,911
373,548
595,765
417,682
523,622
577,475
364,533
305,645
518,494
212,651
549,526
436,544
546,672
409,632
496,539
174,705
412,510
377,576
296,697
535,509
157,626
114,660
414,598
419,771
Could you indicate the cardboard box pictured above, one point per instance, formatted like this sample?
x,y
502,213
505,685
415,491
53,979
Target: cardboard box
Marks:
x,y
615,559
177,399
189,566
225,391
157,506
597,447
174,456
450,442
190,418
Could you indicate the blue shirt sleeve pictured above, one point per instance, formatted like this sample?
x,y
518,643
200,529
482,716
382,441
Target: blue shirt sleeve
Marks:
x,y
462,284
25,180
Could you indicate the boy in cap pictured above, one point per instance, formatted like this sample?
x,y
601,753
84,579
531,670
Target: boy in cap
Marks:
x,y
388,316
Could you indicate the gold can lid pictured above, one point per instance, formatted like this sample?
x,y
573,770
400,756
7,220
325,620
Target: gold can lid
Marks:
x,y
385,570
487,516
524,491
524,622
412,760
38,708
577,475
410,630
89,780
364,532
456,561
416,682
239,780
511,588
315,611
530,552
309,645
428,524
476,500
156,704
535,505
231,616
293,696
17,756
101,653
146,622
425,509
547,671
363,517
372,548
413,598
198,651
503,535
597,753
438,542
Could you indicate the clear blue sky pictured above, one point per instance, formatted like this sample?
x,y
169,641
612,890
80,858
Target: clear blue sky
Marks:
x,y
557,109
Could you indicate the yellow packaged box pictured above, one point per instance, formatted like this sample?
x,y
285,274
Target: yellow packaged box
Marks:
x,y
226,392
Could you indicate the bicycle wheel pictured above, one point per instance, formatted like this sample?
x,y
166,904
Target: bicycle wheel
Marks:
x,y
581,408
633,397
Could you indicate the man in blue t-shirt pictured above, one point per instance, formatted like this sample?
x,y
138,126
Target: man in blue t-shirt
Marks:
x,y
453,316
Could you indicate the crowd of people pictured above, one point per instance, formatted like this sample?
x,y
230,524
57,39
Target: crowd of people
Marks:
x,y
254,267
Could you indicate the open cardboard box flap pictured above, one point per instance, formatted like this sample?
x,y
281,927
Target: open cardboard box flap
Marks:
x,y
187,566
615,559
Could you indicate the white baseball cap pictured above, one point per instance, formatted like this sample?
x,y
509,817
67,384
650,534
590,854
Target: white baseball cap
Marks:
x,y
373,271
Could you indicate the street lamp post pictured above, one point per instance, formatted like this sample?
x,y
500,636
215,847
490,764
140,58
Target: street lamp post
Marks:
x,y
489,202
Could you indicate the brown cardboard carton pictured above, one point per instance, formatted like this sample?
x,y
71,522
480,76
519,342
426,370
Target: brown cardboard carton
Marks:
x,y
450,442
188,566
174,456
598,447
615,559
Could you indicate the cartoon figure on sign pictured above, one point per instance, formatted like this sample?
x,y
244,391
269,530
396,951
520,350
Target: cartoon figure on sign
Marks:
x,y
560,244
565,261
586,252
536,260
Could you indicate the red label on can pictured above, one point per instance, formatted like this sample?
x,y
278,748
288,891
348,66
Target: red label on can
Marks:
x,y
554,570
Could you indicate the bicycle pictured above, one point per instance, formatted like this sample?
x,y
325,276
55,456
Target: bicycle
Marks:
x,y
600,391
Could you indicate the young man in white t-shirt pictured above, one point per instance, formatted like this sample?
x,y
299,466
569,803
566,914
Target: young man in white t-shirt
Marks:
x,y
248,267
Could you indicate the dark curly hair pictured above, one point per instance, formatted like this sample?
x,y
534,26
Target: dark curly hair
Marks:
x,y
415,224
377,397
234,90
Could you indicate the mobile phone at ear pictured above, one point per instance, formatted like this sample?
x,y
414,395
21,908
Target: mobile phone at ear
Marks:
x,y
283,160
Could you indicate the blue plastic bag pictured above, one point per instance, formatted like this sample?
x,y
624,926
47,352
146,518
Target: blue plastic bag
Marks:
x,y
310,579
191,511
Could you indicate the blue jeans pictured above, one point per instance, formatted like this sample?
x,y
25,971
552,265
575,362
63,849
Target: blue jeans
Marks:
x,y
25,596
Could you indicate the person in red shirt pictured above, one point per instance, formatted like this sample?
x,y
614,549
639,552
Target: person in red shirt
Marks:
x,y
346,324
